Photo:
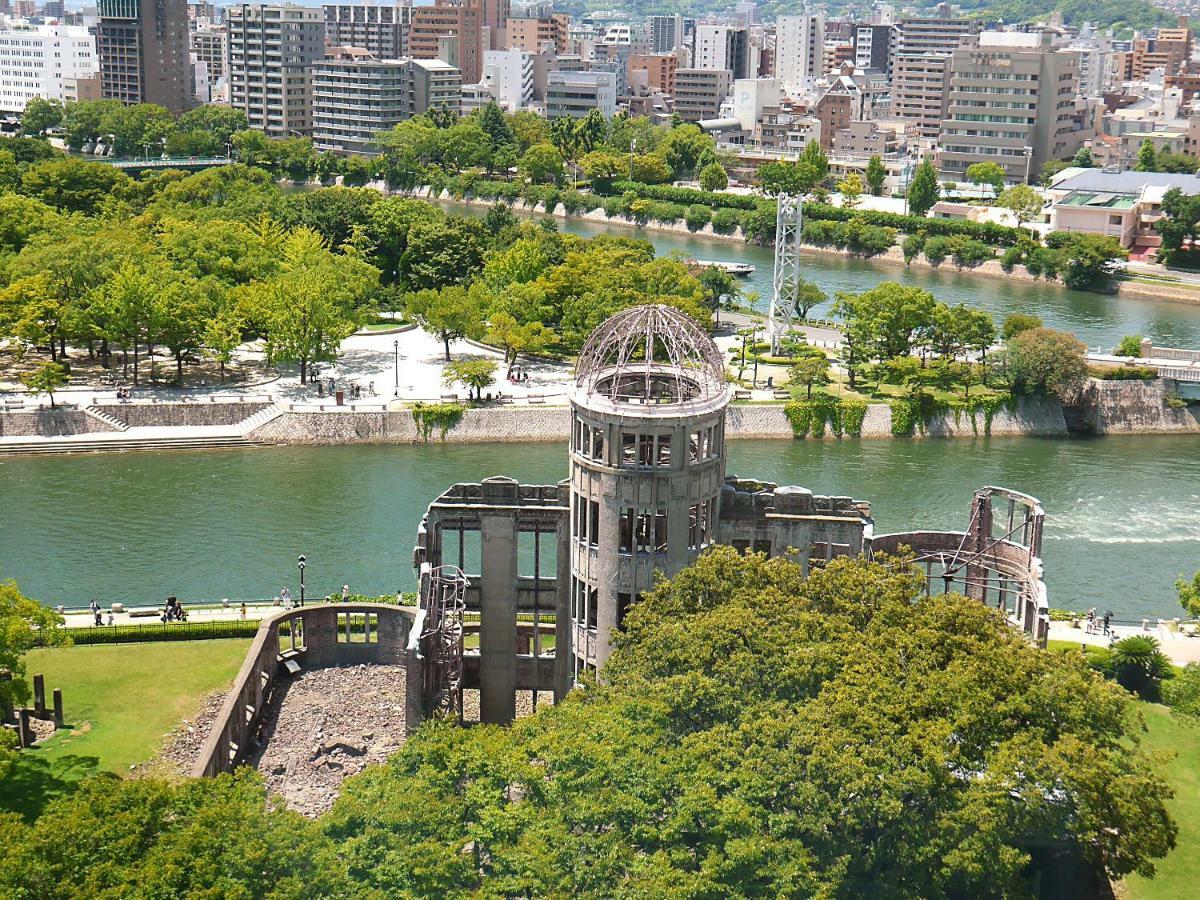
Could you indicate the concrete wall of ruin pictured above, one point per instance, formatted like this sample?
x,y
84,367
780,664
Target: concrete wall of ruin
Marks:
x,y
49,423
180,414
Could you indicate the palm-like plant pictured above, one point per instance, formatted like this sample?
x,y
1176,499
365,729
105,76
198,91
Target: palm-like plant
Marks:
x,y
1140,666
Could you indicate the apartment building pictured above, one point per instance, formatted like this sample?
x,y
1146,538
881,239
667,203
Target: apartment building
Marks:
x,y
919,92
143,51
799,51
873,48
659,70
210,45
381,30
355,99
45,61
723,47
668,33
272,50
533,33
461,20
572,95
1011,101
922,36
700,92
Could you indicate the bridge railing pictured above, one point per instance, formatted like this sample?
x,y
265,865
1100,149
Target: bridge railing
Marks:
x,y
313,637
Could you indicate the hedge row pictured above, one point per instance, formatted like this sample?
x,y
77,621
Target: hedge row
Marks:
x,y
159,631
988,232
1123,373
688,196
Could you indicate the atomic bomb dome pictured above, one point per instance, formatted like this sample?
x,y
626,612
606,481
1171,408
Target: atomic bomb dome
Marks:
x,y
650,354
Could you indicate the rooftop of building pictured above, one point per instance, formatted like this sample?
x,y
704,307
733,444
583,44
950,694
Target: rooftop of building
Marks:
x,y
1100,181
1099,199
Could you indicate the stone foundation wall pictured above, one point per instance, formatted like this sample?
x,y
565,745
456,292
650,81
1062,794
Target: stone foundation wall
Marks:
x,y
136,415
48,423
532,424
1133,407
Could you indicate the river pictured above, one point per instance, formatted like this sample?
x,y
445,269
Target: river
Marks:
x,y
1099,320
1123,513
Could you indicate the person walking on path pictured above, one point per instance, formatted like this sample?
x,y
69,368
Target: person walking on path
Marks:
x,y
243,611
286,596
94,606
345,593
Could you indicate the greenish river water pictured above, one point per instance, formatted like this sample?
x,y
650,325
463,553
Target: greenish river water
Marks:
x,y
1099,320
1123,512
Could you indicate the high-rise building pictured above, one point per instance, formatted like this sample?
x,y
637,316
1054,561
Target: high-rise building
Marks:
x,y
873,48
210,46
461,20
723,47
799,48
380,29
700,92
659,69
574,94
271,53
918,36
533,33
666,33
1011,101
143,50
920,91
355,99
42,62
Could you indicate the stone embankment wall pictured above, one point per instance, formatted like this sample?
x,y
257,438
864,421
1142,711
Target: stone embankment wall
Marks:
x,y
136,415
48,423
553,424
1132,407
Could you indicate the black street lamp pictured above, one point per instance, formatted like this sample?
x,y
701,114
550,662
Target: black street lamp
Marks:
x,y
301,564
396,348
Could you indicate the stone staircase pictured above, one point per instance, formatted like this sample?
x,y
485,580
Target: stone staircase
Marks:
x,y
112,422
262,417
126,443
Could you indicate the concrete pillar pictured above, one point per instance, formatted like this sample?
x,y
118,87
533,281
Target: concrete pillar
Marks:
x,y
498,619
564,652
59,721
39,695
25,735
607,579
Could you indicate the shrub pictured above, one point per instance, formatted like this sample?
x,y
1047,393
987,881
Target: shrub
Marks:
x,y
937,249
987,232
1010,258
819,232
1123,373
615,206
913,245
865,239
575,202
686,196
724,221
970,252
697,216
1130,345
442,416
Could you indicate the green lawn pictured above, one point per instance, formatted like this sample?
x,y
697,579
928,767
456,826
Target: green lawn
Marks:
x,y
119,700
1179,874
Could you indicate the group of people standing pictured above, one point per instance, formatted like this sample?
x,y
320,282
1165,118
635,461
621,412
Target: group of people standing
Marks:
x,y
1102,623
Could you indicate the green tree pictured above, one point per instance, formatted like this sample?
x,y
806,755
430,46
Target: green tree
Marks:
x,y
888,319
604,167
650,168
449,314
24,623
813,156
1044,361
1176,163
222,335
1189,594
851,188
31,311
1130,345
311,304
1179,224
791,178
1050,168
804,295
923,190
440,252
1015,323
1083,159
809,370
1147,160
46,379
473,374
542,164
990,173
719,288
684,148
876,174
40,115
713,177
73,185
590,131
515,338
495,126
1022,201
529,128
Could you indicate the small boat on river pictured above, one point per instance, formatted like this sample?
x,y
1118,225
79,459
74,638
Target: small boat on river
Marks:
x,y
733,268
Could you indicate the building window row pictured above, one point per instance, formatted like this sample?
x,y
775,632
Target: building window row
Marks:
x,y
645,450
700,521
589,440
643,531
586,525
584,599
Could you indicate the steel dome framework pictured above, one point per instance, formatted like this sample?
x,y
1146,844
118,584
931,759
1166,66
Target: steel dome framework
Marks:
x,y
651,354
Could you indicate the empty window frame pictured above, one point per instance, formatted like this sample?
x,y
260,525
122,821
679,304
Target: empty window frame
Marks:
x,y
645,451
700,525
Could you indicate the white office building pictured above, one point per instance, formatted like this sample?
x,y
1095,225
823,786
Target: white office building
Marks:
x,y
723,47
41,61
574,94
509,77
799,48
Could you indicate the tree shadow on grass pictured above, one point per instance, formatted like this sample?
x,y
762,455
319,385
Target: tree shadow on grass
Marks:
x,y
34,781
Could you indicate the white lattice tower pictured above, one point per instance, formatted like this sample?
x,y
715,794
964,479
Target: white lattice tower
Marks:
x,y
788,221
